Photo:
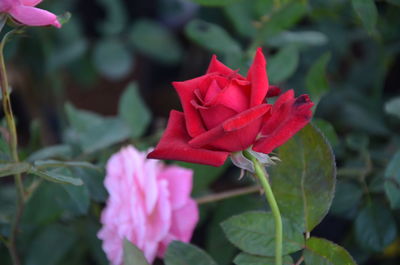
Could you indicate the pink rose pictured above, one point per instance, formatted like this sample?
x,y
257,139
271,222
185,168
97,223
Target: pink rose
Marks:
x,y
25,12
149,204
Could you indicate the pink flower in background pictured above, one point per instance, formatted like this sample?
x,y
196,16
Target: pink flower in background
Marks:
x,y
25,12
149,204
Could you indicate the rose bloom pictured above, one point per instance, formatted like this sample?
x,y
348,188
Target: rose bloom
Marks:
x,y
25,12
149,204
224,112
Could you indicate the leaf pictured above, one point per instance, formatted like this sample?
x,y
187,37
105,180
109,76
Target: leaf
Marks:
x,y
214,2
316,81
347,198
328,130
55,177
298,38
375,227
93,180
134,111
392,181
179,253
323,252
254,233
78,200
81,120
40,164
156,41
282,19
211,37
116,17
62,151
109,132
203,175
367,12
248,259
9,169
133,255
393,107
112,59
304,181
282,65
56,238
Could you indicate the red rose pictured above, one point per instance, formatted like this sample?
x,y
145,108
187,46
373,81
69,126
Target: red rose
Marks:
x,y
224,112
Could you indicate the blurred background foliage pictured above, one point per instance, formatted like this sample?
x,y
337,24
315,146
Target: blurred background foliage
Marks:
x,y
104,80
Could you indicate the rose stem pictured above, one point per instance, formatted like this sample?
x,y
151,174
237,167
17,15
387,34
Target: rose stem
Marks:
x,y
262,176
14,152
227,194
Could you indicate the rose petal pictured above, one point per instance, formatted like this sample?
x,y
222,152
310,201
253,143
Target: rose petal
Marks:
x,y
174,145
186,94
215,115
235,134
273,91
32,16
233,96
179,184
217,67
257,75
30,2
285,121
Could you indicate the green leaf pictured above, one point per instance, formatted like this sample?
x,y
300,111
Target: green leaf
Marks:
x,y
375,227
112,59
254,233
78,200
93,180
179,253
211,37
323,252
282,19
393,107
13,168
248,259
133,255
134,111
283,64
316,81
367,12
304,181
55,177
392,181
42,164
328,130
116,17
298,38
154,40
62,151
50,245
81,120
347,198
109,132
203,175
214,2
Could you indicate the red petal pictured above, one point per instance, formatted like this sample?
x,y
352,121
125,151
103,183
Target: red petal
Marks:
x,y
218,67
257,75
174,145
215,115
286,120
273,91
186,94
232,96
235,134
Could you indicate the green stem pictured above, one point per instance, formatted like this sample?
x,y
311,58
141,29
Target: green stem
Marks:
x,y
14,153
262,176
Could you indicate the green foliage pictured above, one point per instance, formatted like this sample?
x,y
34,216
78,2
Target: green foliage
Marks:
x,y
133,110
368,13
304,182
253,232
393,107
392,181
13,168
248,259
316,80
112,59
323,252
214,2
375,227
155,41
282,65
179,253
132,255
